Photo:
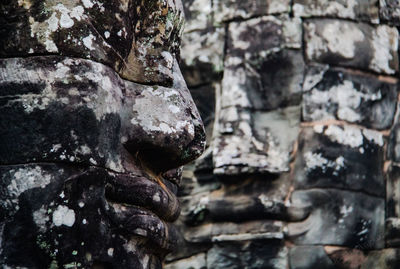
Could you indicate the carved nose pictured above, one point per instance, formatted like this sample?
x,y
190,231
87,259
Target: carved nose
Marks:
x,y
163,127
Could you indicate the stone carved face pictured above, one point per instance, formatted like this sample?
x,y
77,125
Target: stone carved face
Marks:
x,y
96,121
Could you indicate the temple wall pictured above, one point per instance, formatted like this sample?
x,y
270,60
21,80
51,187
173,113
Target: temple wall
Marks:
x,y
300,102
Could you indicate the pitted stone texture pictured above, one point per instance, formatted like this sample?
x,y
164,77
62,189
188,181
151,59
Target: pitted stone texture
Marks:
x,y
138,41
202,56
353,97
254,142
249,40
251,255
352,44
351,9
390,11
342,157
226,10
79,111
198,14
194,262
307,257
339,217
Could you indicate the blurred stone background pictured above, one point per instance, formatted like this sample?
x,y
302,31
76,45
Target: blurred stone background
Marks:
x,y
300,101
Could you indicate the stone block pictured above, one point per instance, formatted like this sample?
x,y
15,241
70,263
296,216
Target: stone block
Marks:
x,y
226,10
338,217
202,56
351,44
342,157
274,82
335,93
262,36
255,142
353,9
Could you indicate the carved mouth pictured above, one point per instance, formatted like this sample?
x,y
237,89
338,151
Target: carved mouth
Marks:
x,y
144,207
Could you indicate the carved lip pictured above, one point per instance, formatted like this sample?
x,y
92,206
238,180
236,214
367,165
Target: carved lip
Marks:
x,y
144,207
160,235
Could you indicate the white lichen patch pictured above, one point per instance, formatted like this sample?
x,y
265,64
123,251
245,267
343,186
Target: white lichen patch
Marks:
x,y
156,197
227,10
374,137
27,178
353,136
88,41
25,3
318,128
88,3
62,71
40,217
340,38
265,201
347,9
166,115
385,41
315,44
55,148
63,216
345,135
347,98
233,91
174,109
110,252
314,76
316,160
63,16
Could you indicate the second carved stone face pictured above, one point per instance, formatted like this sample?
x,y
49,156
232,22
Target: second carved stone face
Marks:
x,y
90,162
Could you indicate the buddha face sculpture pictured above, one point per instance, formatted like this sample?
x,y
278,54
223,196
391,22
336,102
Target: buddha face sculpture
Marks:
x,y
96,122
